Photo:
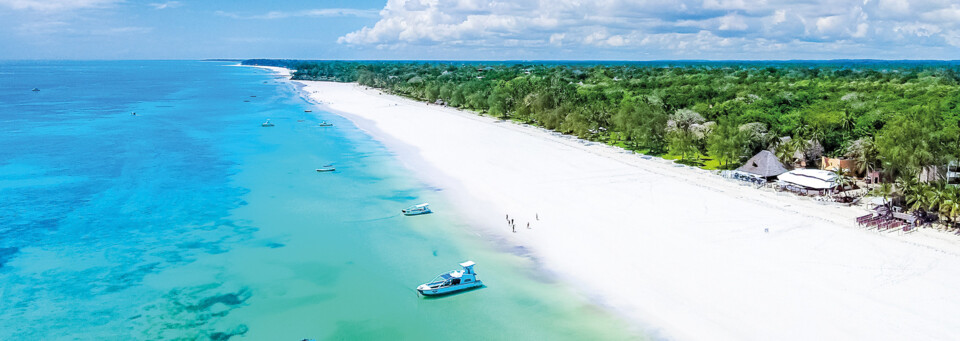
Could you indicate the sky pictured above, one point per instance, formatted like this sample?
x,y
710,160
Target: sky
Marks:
x,y
481,29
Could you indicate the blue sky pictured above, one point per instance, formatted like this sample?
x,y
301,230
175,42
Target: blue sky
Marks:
x,y
480,29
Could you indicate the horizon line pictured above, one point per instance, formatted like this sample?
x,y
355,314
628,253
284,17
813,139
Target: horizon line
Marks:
x,y
502,60
599,60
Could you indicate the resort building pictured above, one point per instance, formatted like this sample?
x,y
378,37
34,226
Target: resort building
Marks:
x,y
872,177
764,165
949,172
848,165
931,174
808,181
953,173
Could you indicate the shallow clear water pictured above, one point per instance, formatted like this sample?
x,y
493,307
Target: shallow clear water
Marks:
x,y
191,221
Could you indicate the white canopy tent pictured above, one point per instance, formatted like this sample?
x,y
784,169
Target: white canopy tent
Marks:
x,y
809,178
878,201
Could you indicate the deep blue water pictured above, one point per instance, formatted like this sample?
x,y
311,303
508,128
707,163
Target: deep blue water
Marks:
x,y
92,198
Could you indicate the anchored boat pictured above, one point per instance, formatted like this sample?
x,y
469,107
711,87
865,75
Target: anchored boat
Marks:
x,y
35,89
326,168
423,208
267,123
452,281
325,124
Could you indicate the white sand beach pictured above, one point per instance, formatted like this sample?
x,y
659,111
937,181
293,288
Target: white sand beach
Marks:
x,y
681,252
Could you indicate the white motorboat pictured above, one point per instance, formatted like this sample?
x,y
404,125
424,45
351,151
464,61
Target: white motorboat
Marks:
x,y
326,168
325,124
452,281
267,123
423,208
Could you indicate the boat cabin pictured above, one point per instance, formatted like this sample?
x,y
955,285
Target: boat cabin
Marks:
x,y
455,277
417,209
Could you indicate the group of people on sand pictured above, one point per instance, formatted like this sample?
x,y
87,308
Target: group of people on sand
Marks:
x,y
513,225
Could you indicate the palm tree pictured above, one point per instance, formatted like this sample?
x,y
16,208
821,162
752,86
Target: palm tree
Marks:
x,y
784,152
847,122
799,147
934,196
911,191
842,180
864,152
800,131
950,206
814,136
885,190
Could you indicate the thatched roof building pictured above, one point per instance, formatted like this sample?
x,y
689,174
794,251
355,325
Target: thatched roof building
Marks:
x,y
764,164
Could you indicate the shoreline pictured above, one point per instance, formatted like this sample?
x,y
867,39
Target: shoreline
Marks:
x,y
679,249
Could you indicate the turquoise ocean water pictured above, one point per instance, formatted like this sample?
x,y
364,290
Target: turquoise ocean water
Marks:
x,y
191,221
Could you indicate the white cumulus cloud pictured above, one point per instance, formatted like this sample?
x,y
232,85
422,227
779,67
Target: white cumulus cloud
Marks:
x,y
737,26
732,22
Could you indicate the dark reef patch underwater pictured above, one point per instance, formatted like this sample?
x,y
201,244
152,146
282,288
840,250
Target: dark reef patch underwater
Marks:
x,y
6,253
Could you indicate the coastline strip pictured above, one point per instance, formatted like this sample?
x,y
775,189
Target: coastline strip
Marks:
x,y
676,248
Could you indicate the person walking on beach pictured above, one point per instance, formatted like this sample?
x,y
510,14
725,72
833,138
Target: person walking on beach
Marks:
x,y
514,227
538,216
528,225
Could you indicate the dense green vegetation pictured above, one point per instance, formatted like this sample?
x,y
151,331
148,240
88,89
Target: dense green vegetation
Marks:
x,y
930,198
895,117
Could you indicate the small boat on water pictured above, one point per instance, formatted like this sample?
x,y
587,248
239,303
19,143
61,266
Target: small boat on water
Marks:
x,y
35,89
308,111
326,124
267,123
452,281
326,168
423,208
